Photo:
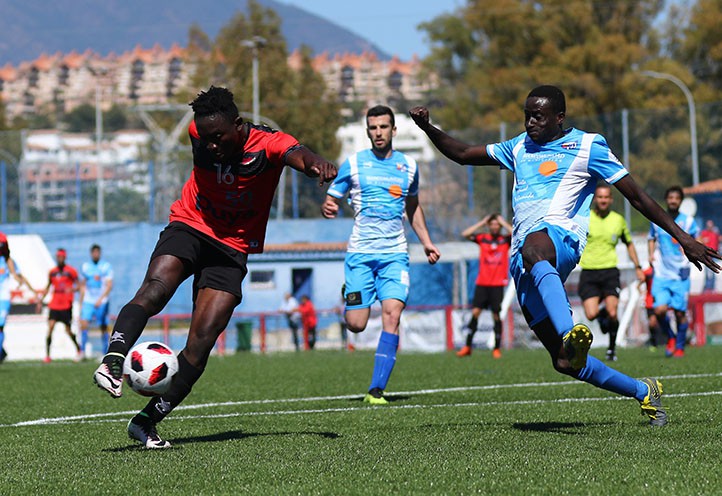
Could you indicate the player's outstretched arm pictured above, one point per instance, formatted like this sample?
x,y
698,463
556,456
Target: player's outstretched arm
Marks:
x,y
456,150
418,223
696,252
313,165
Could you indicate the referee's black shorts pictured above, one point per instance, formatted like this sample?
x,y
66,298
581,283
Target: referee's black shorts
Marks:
x,y
213,264
600,283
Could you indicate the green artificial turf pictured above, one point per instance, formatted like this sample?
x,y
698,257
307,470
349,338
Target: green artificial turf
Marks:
x,y
294,423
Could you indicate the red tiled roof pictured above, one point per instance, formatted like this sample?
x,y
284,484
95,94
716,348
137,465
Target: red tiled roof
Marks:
x,y
305,247
713,186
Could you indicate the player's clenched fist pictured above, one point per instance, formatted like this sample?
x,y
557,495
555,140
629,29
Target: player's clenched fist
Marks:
x,y
322,169
329,208
420,115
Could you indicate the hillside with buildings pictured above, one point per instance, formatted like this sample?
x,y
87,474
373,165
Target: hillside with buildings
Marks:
x,y
33,27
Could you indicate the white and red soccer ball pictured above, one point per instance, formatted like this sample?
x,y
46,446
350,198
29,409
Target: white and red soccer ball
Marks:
x,y
149,368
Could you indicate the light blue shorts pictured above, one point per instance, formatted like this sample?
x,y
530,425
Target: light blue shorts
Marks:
x,y
371,277
672,293
4,311
91,313
567,248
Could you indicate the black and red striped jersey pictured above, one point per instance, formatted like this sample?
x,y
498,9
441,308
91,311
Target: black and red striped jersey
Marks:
x,y
231,202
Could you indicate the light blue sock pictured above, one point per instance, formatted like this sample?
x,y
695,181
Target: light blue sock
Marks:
x,y
104,341
83,339
682,335
550,286
2,339
599,374
385,360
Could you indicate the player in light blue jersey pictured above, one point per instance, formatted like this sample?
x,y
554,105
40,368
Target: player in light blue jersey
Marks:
x,y
555,174
8,271
671,272
96,282
382,185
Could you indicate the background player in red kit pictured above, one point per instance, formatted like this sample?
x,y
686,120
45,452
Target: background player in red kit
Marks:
x,y
64,281
309,319
493,276
220,218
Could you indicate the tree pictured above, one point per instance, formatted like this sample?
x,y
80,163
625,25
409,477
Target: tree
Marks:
x,y
491,52
80,119
293,99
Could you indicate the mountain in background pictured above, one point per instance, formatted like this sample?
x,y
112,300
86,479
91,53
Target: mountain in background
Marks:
x,y
32,27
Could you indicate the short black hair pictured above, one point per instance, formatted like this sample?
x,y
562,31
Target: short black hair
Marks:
x,y
379,110
95,247
215,101
553,94
674,189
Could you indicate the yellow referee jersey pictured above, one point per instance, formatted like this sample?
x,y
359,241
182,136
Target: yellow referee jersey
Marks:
x,y
604,233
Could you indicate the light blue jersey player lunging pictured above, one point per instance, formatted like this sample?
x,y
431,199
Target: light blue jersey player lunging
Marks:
x,y
555,174
671,273
96,282
382,184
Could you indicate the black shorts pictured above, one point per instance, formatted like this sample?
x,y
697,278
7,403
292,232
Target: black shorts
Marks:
x,y
599,283
488,297
64,316
213,264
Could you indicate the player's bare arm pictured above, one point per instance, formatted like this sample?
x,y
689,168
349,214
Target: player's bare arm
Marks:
x,y
632,251
458,151
313,165
329,208
418,223
505,224
696,252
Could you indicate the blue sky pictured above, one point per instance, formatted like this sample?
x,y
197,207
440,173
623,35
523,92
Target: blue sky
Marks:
x,y
391,25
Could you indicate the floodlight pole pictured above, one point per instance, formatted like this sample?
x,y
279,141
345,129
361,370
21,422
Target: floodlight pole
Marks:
x,y
255,43
692,116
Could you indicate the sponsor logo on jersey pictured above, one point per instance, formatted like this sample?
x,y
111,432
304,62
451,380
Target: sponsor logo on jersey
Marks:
x,y
570,145
395,190
548,168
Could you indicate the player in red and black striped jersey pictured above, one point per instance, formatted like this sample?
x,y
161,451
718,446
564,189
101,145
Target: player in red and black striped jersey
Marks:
x,y
220,218
64,280
493,276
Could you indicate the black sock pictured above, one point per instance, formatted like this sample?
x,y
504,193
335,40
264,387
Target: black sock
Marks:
x,y
128,328
497,334
472,325
160,406
613,328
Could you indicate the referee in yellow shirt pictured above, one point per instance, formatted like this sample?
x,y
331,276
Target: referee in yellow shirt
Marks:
x,y
599,281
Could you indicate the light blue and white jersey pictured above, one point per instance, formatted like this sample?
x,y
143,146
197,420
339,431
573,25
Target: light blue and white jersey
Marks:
x,y
95,277
669,259
6,279
554,183
377,190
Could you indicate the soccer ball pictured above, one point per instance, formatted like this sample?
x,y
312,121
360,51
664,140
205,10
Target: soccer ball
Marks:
x,y
149,368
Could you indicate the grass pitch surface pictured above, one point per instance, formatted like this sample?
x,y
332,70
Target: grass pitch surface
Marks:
x,y
294,423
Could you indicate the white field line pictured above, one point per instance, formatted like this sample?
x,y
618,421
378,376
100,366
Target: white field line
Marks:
x,y
107,416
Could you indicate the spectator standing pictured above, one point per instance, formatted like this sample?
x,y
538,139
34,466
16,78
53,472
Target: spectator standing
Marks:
x,y
289,307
